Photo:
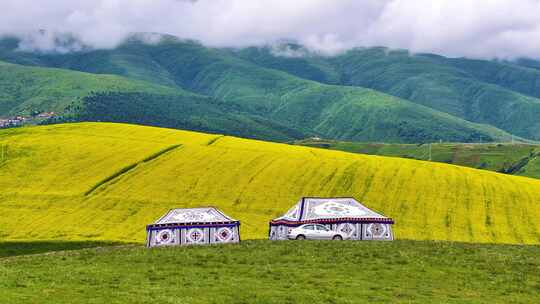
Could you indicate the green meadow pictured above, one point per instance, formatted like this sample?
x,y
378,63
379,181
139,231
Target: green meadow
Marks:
x,y
511,158
278,272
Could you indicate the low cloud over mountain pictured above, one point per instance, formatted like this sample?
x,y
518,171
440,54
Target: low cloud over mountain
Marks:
x,y
485,29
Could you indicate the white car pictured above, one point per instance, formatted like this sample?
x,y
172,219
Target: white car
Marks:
x,y
313,232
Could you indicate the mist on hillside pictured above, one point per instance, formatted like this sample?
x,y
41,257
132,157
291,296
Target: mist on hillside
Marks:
x,y
480,29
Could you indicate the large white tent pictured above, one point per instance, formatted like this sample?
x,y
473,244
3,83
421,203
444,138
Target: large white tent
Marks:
x,y
346,215
193,226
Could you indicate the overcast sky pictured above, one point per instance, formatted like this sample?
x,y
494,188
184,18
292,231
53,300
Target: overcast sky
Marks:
x,y
473,28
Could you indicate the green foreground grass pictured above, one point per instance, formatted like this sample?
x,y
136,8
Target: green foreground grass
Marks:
x,y
278,272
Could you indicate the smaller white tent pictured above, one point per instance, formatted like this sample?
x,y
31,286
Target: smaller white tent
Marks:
x,y
193,226
345,214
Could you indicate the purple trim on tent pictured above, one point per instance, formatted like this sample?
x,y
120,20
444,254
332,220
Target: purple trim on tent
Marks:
x,y
333,221
302,209
176,226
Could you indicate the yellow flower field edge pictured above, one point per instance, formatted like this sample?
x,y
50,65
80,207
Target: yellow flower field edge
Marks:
x,y
103,181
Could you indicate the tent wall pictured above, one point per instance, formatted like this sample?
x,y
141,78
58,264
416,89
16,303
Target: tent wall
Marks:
x,y
377,232
278,232
354,231
192,235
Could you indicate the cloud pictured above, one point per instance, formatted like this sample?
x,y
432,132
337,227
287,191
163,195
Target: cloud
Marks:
x,y
482,28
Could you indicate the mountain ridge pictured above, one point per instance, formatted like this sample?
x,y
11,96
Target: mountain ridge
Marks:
x,y
441,83
327,106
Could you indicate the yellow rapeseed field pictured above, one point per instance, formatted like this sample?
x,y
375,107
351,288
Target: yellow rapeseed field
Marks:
x,y
105,181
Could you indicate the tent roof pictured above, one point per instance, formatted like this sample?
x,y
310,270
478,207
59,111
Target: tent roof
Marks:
x,y
203,215
331,209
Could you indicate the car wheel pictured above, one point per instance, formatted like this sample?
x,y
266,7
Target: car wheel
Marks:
x,y
337,238
300,237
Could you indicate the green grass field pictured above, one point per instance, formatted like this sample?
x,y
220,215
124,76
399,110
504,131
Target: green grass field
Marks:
x,y
517,159
15,248
278,272
97,181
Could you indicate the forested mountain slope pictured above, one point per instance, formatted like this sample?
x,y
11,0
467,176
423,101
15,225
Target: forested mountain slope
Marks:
x,y
293,103
500,94
96,97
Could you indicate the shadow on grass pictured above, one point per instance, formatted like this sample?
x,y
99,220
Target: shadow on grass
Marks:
x,y
15,248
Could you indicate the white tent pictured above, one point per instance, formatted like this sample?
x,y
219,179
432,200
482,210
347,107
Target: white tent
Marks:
x,y
193,226
346,215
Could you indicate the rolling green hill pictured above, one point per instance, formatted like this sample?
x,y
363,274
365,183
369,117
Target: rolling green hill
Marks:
x,y
24,88
190,112
80,96
528,63
333,111
504,95
98,181
517,159
292,103
510,75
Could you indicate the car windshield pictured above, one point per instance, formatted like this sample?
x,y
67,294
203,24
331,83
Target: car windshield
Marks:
x,y
321,227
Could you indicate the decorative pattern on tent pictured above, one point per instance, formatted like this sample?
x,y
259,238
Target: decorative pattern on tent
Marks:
x,y
193,226
194,215
346,215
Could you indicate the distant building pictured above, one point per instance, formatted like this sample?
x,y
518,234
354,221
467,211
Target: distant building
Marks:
x,y
346,215
193,226
46,114
11,122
